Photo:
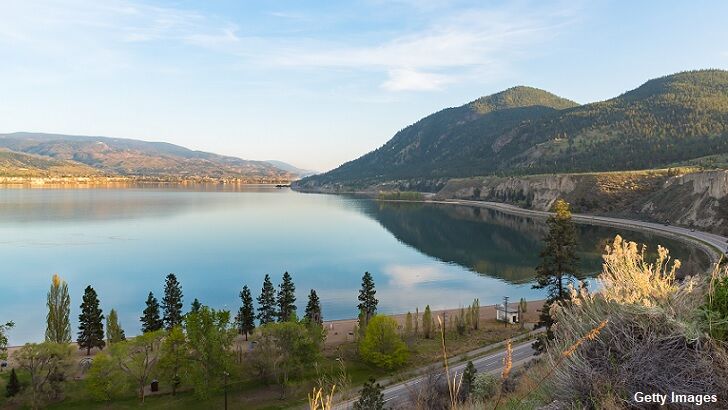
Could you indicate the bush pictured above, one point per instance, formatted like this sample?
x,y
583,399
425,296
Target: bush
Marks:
x,y
484,387
381,345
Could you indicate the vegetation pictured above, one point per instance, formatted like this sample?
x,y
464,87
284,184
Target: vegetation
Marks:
x,y
47,364
58,323
114,332
382,345
313,309
13,386
4,328
90,322
209,339
172,302
267,302
286,299
371,397
401,196
173,363
246,314
151,320
367,300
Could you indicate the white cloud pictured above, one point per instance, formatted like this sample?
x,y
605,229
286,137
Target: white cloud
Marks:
x,y
410,80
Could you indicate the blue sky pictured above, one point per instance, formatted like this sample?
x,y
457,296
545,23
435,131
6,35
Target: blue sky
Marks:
x,y
319,83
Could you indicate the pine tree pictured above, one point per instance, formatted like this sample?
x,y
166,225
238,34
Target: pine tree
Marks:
x,y
246,314
371,397
286,298
150,319
114,332
172,302
468,377
408,325
13,386
267,302
367,301
58,329
417,322
313,309
90,322
195,306
558,262
428,323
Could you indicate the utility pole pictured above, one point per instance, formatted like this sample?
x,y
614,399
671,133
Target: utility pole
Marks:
x,y
505,310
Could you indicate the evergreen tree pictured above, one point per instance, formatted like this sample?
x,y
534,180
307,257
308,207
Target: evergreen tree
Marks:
x,y
58,329
90,322
428,323
468,377
13,386
267,302
114,332
246,314
195,306
367,301
286,299
313,309
371,397
150,319
558,262
172,302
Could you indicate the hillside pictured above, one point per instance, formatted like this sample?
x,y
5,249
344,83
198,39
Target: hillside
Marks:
x,y
291,168
127,157
17,164
673,119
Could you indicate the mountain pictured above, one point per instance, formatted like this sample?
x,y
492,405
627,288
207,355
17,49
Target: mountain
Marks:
x,y
18,164
128,157
291,168
525,130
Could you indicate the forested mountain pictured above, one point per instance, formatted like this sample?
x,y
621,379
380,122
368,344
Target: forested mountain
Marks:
x,y
127,157
527,131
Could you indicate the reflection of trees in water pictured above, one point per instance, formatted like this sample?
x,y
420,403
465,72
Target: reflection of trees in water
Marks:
x,y
502,245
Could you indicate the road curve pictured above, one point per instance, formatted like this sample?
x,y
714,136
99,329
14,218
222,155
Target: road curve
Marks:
x,y
397,395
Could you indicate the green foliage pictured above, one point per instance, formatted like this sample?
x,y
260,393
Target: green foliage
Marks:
x,y
371,397
267,302
715,309
367,300
114,332
150,319
58,323
173,360
104,380
4,339
313,309
48,364
195,306
381,345
484,386
428,323
408,329
209,339
90,322
172,302
286,300
401,196
13,387
138,358
246,314
468,379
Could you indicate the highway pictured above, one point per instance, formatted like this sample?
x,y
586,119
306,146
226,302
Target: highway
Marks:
x,y
397,395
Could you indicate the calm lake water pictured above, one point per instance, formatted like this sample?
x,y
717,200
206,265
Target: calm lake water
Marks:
x,y
124,241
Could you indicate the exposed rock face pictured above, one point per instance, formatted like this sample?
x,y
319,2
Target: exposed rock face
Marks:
x,y
696,199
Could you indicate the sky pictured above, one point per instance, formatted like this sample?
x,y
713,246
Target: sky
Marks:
x,y
318,83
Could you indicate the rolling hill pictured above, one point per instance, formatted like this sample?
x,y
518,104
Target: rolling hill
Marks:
x,y
523,130
128,157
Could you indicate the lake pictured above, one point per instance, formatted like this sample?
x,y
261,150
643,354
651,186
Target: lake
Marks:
x,y
124,241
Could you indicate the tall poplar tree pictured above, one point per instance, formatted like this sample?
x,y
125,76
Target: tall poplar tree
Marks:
x,y
286,299
313,309
58,326
90,322
172,302
150,319
267,302
367,301
246,314
114,332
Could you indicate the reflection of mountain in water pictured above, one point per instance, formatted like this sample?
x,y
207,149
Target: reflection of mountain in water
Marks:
x,y
501,245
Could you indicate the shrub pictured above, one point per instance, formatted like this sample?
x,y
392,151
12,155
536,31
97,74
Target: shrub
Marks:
x,y
484,387
381,345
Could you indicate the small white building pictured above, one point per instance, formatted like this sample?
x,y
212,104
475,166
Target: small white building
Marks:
x,y
506,313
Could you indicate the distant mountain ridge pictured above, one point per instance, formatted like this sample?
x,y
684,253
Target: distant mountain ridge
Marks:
x,y
525,130
291,168
128,157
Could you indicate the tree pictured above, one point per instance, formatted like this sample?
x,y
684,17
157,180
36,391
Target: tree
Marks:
x,y
266,302
195,306
246,315
286,299
151,321
313,309
90,322
114,332
47,364
417,322
558,262
138,357
4,339
371,397
428,323
105,381
58,323
209,339
522,308
484,387
381,345
172,302
408,325
468,378
367,301
173,360
13,386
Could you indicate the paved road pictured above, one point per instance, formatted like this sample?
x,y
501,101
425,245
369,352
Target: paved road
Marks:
x,y
704,238
397,395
